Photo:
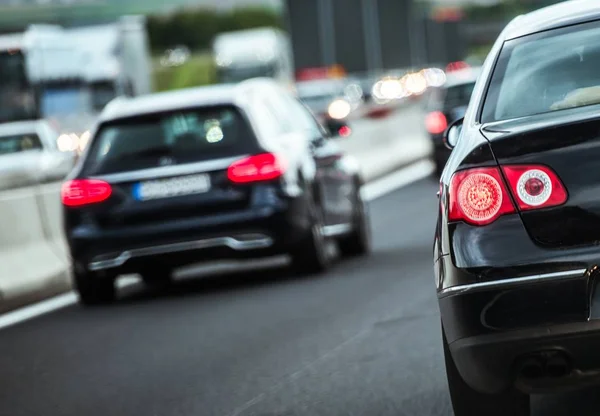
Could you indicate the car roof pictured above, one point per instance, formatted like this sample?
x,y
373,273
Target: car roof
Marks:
x,y
206,96
20,127
552,17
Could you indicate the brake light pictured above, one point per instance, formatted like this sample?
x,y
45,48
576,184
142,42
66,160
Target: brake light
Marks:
x,y
81,192
535,186
436,122
257,168
478,196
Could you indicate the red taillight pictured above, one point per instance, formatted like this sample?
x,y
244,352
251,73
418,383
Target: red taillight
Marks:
x,y
345,131
436,122
456,66
478,196
535,186
80,192
257,168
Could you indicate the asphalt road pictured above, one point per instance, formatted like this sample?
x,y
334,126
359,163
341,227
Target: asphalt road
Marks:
x,y
363,339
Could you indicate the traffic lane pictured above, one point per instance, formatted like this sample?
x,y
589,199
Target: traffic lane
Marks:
x,y
214,346
363,339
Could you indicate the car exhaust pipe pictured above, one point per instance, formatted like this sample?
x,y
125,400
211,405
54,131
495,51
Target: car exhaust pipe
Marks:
x,y
532,368
557,365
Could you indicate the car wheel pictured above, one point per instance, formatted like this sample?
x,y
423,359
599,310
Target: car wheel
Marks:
x,y
358,242
311,255
467,402
94,290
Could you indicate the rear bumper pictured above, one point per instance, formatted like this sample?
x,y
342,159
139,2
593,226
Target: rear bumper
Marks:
x,y
256,232
503,299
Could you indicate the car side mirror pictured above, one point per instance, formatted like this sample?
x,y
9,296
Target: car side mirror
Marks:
x,y
452,133
337,128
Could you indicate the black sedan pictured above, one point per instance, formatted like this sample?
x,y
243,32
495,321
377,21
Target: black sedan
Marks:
x,y
446,104
238,171
516,251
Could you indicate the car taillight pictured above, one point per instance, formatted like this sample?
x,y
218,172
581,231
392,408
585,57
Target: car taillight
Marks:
x,y
478,196
535,186
81,192
257,168
436,122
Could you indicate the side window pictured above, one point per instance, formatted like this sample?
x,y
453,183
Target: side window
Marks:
x,y
305,120
19,143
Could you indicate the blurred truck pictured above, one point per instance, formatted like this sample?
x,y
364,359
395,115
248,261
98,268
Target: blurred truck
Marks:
x,y
41,77
254,53
118,60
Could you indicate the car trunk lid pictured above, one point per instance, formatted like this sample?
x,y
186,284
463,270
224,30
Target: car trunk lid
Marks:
x,y
569,144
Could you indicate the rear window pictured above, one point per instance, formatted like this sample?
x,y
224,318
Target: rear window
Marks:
x,y
19,143
541,73
459,95
168,139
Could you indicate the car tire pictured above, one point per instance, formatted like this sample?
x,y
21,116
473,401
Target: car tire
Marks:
x,y
358,242
467,401
94,290
311,255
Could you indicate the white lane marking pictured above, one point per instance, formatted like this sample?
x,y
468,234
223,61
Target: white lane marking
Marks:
x,y
49,305
396,180
371,191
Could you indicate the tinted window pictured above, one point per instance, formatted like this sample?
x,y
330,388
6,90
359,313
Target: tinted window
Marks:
x,y
546,72
171,138
458,95
19,143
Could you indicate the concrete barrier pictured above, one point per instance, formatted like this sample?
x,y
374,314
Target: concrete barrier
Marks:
x,y
33,259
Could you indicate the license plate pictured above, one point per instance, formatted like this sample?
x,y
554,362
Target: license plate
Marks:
x,y
172,187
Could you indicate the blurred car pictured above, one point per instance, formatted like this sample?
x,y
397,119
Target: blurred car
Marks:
x,y
446,104
516,249
327,98
29,155
230,171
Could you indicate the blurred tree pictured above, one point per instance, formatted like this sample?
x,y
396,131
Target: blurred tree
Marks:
x,y
195,28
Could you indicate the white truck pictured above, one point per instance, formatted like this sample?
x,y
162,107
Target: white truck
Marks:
x,y
118,60
254,53
41,78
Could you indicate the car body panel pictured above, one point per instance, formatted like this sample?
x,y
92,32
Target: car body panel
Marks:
x,y
526,284
229,220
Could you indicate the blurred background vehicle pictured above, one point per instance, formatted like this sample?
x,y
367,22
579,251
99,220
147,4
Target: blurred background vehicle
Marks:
x,y
445,105
254,53
210,185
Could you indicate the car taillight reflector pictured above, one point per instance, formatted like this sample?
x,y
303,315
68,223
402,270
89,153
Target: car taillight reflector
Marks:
x,y
436,122
81,192
478,196
535,186
257,168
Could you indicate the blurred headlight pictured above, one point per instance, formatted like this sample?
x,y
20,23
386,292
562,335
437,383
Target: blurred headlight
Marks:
x,y
391,89
435,77
67,142
416,83
84,139
339,109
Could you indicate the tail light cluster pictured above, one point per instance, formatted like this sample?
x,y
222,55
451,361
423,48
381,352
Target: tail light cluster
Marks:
x,y
81,192
479,196
436,122
257,168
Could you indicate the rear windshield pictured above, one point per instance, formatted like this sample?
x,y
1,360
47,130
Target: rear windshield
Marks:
x,y
451,97
169,139
546,72
19,143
